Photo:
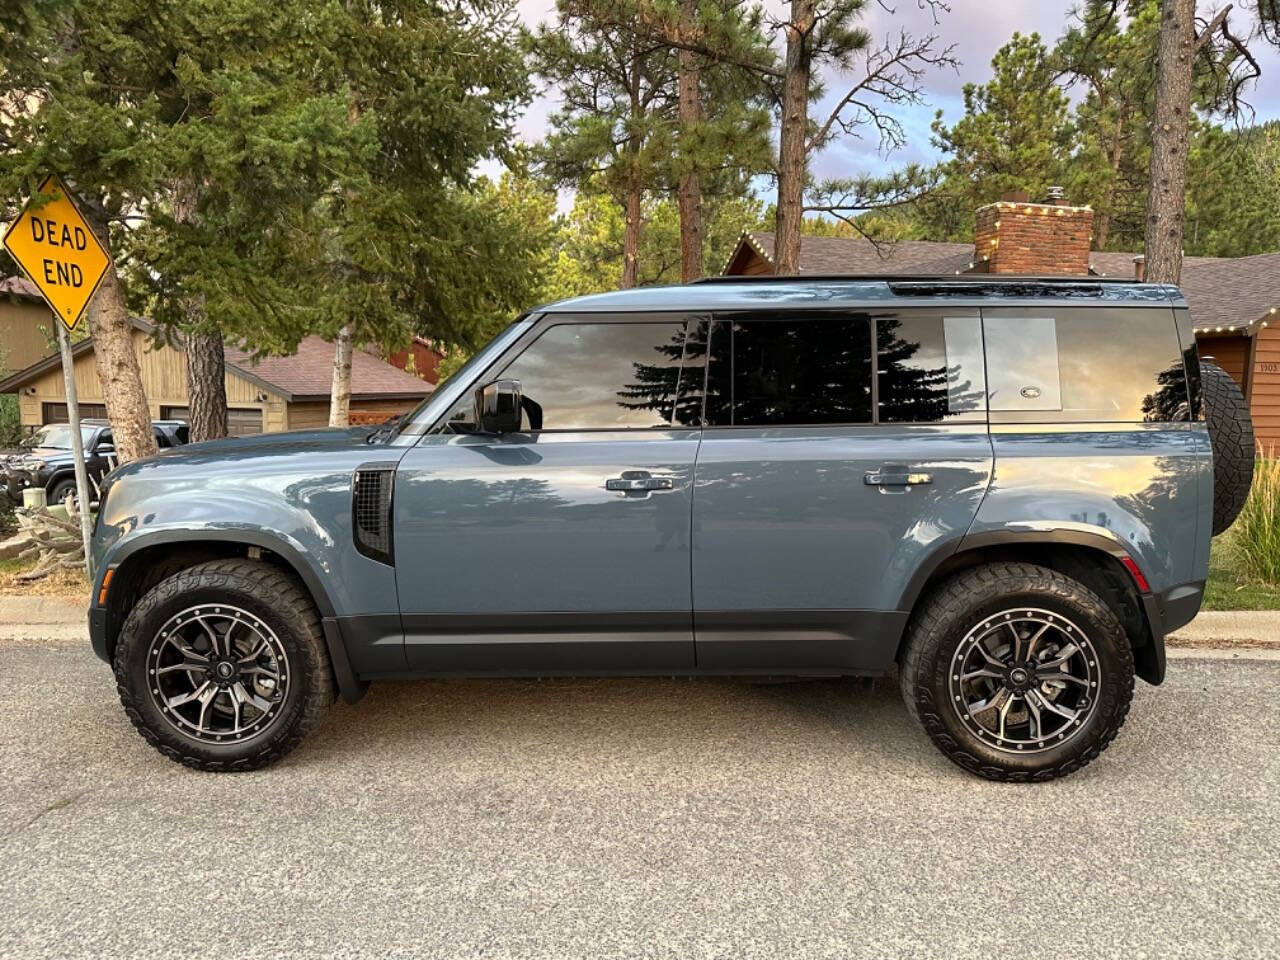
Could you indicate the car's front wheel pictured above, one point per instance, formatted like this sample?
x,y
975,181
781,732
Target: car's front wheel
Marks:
x,y
1017,672
222,666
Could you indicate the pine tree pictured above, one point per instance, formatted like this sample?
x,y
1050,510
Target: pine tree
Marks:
x,y
617,86
430,90
721,138
877,80
1015,134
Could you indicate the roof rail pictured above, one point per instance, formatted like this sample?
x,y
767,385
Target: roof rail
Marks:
x,y
971,279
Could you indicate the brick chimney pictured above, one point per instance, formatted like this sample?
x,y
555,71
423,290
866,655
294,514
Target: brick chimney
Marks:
x,y
1050,238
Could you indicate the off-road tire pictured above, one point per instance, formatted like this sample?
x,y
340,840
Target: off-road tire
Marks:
x,y
1231,435
953,608
282,604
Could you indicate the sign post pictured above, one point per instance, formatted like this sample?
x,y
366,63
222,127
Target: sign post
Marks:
x,y
77,441
57,249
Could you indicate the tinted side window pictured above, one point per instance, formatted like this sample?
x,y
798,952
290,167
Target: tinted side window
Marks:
x,y
929,369
797,370
1080,365
594,376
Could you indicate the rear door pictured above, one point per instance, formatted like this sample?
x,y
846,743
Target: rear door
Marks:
x,y
563,548
841,450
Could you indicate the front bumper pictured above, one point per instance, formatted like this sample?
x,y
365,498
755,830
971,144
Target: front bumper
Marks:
x,y
12,482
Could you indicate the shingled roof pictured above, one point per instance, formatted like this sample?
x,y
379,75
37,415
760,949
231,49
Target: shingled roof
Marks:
x,y
856,255
18,287
305,375
1222,291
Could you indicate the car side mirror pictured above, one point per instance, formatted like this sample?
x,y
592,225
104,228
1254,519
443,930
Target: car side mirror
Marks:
x,y
498,406
104,449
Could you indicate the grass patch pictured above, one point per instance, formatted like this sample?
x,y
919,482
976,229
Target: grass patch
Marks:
x,y
1231,585
1258,526
63,584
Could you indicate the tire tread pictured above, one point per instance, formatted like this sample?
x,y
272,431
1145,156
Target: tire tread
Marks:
x,y
291,600
947,605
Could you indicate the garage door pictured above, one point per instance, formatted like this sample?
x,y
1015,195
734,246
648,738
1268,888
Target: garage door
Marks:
x,y
240,421
57,412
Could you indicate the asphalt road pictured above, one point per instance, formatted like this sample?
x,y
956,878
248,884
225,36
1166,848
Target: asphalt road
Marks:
x,y
643,818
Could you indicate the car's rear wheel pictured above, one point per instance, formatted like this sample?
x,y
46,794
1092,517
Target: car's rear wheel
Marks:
x,y
1017,672
222,666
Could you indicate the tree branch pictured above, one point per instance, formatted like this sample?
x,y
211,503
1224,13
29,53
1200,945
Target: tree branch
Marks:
x,y
1207,33
894,74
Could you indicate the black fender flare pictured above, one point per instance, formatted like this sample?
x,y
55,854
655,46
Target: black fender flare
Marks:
x,y
349,685
58,475
1150,656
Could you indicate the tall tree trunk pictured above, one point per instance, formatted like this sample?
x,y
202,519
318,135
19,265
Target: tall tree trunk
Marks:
x,y
689,194
1109,196
632,201
791,141
340,393
1166,202
632,209
206,362
340,400
206,384
117,362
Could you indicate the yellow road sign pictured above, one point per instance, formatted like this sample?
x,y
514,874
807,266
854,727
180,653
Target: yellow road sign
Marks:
x,y
58,251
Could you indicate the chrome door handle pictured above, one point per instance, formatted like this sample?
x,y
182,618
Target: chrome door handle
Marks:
x,y
628,484
896,479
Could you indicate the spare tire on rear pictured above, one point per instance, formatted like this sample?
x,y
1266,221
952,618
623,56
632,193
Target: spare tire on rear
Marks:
x,y
1231,434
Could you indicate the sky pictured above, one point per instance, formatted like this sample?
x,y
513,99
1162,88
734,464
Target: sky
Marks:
x,y
977,28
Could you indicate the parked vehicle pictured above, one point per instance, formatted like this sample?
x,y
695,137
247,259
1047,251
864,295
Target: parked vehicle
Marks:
x,y
1004,488
48,462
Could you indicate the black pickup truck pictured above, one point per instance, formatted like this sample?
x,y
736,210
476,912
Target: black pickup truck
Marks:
x,y
47,461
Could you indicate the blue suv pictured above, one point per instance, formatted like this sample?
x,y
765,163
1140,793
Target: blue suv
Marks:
x,y
1003,488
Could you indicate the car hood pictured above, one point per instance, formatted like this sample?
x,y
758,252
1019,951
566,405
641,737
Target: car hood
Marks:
x,y
264,444
222,473
29,458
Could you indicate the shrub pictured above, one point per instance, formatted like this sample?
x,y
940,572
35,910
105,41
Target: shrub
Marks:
x,y
10,422
1258,526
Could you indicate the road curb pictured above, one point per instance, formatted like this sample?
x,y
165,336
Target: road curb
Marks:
x,y
38,609
1230,629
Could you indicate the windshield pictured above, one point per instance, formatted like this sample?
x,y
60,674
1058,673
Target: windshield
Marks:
x,y
57,436
417,422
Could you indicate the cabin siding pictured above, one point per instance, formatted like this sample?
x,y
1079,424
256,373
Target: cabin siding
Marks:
x,y
1230,353
310,415
1265,398
25,331
164,378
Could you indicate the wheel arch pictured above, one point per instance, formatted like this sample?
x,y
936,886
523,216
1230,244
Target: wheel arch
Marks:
x,y
1093,558
145,561
57,476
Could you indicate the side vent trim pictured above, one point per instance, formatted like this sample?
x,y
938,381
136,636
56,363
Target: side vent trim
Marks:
x,y
372,490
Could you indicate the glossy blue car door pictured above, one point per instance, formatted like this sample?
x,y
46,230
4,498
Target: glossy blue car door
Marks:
x,y
563,548
828,473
